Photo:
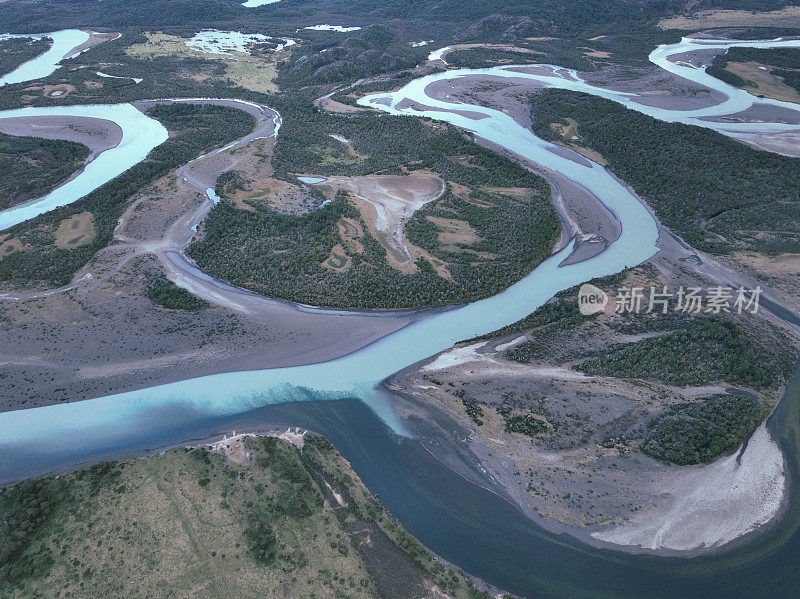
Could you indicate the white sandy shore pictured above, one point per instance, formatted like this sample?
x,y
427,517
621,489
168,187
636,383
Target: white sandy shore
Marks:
x,y
339,28
711,505
439,54
468,354
257,3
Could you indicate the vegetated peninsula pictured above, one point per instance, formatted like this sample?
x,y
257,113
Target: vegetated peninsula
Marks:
x,y
243,517
589,421
37,260
31,167
17,50
768,73
383,239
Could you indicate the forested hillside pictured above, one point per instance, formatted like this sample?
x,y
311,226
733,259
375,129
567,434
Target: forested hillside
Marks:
x,y
717,193
256,518
564,17
482,19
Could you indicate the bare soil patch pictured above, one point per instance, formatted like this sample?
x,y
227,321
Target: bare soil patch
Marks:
x,y
596,53
338,259
96,134
9,246
765,84
454,232
62,90
464,193
569,133
75,230
276,194
337,107
386,202
520,193
350,232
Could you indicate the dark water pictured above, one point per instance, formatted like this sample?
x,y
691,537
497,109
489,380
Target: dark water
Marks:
x,y
489,538
474,528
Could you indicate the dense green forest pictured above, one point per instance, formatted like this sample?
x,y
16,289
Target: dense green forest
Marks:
x,y
377,49
15,51
494,18
382,45
699,432
705,350
192,518
196,129
717,193
479,58
30,167
282,255
525,424
167,294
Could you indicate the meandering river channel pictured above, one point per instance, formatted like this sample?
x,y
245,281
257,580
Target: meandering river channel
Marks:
x,y
475,529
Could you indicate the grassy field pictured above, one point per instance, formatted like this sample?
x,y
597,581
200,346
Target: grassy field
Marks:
x,y
257,518
256,73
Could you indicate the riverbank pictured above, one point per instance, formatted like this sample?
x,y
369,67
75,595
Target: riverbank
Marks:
x,y
105,336
240,511
580,471
674,511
